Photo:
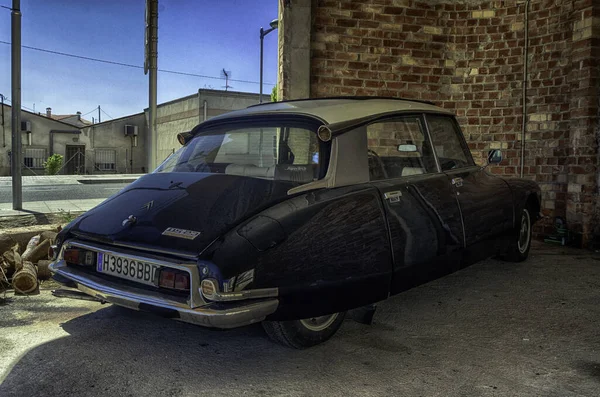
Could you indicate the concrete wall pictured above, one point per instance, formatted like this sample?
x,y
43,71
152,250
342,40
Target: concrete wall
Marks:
x,y
110,135
40,137
183,114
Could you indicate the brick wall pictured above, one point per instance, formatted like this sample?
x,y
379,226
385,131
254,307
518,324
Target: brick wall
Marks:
x,y
468,56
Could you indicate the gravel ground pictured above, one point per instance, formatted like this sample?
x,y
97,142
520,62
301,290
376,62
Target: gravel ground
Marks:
x,y
494,329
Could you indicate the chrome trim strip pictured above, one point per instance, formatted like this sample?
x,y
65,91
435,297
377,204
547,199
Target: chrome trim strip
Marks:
x,y
157,251
242,295
139,247
195,298
210,315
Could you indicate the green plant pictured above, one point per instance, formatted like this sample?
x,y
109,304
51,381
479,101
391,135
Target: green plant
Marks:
x,y
274,94
53,164
66,216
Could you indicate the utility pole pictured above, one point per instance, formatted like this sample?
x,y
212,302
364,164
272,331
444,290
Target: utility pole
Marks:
x,y
99,117
151,65
17,157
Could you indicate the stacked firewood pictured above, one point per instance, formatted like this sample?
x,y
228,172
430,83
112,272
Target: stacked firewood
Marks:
x,y
24,267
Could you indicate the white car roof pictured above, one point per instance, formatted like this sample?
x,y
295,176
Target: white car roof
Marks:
x,y
335,110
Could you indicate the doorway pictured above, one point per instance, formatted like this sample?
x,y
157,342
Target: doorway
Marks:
x,y
75,160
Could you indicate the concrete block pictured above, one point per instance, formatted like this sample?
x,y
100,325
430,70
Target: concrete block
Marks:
x,y
540,117
483,14
432,30
517,26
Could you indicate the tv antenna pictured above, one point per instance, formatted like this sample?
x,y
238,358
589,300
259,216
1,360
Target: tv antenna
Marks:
x,y
226,74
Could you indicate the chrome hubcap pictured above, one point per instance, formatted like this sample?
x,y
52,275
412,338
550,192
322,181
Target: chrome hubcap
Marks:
x,y
319,323
524,232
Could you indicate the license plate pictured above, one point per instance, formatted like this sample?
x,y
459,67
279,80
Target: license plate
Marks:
x,y
127,268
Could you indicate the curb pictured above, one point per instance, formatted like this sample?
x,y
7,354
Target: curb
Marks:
x,y
100,181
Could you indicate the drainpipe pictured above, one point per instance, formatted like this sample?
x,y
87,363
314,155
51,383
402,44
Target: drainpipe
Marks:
x,y
199,109
525,69
3,131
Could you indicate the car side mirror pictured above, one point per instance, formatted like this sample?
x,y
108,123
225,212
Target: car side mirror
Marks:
x,y
494,157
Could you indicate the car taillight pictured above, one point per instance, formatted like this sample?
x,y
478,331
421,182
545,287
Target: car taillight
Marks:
x,y
71,255
174,279
79,256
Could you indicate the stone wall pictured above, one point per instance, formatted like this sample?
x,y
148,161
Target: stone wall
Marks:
x,y
468,56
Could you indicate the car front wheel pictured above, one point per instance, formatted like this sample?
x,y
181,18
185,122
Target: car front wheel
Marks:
x,y
521,243
304,333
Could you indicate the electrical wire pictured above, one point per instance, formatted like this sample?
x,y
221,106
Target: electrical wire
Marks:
x,y
134,66
93,110
102,110
23,106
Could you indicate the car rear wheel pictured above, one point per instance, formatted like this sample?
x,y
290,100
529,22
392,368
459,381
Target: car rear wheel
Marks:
x,y
521,243
304,333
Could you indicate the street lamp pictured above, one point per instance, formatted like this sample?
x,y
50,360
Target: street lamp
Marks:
x,y
274,23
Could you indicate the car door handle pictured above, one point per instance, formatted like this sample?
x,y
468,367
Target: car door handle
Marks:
x,y
394,196
458,182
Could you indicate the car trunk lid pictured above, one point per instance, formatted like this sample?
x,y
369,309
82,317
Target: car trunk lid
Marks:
x,y
178,212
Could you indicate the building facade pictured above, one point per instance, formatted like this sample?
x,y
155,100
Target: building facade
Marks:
x,y
484,60
183,114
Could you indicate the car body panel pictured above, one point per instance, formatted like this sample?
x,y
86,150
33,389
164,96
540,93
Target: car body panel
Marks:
x,y
209,204
425,228
320,247
328,244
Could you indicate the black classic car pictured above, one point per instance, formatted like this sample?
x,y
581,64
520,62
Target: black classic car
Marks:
x,y
294,213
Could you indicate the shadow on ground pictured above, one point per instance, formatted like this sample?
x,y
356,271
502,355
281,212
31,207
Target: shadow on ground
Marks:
x,y
494,329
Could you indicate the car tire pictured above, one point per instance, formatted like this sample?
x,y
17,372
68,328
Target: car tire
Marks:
x,y
301,334
520,245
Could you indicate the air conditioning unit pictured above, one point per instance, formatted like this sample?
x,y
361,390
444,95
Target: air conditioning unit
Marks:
x,y
26,126
131,130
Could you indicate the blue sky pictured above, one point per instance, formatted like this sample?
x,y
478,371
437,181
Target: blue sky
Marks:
x,y
195,36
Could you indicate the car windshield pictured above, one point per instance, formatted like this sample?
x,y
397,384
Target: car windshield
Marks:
x,y
288,153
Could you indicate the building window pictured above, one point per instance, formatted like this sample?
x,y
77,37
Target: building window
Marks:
x,y
106,160
34,158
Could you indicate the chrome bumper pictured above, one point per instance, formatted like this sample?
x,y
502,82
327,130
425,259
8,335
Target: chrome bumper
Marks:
x,y
214,314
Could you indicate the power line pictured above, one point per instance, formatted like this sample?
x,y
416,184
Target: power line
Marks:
x,y
93,110
133,66
102,110
23,106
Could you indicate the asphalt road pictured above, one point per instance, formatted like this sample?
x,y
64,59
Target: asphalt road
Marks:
x,y
493,329
62,192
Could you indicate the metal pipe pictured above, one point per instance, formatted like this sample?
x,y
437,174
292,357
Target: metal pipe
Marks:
x,y
205,110
525,70
262,37
3,128
17,155
152,67
199,109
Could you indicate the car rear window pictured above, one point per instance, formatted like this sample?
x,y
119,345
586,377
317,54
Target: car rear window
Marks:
x,y
271,152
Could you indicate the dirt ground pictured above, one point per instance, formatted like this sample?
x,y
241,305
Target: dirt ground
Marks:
x,y
493,329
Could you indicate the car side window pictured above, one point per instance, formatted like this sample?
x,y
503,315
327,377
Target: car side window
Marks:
x,y
449,146
399,148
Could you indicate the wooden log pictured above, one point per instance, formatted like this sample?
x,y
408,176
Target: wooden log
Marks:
x,y
48,235
25,280
43,270
39,252
13,259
